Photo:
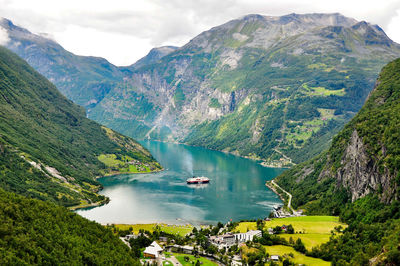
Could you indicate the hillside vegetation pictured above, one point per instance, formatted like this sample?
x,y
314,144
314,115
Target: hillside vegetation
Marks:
x,y
49,149
358,178
33,232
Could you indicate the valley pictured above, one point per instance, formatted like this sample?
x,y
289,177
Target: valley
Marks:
x,y
292,120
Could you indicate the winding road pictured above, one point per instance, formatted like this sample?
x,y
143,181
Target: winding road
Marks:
x,y
290,195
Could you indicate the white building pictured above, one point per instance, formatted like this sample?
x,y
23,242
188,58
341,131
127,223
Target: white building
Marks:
x,y
249,236
152,251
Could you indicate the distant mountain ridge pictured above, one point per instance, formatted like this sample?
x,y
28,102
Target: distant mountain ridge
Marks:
x,y
153,56
271,88
229,87
83,79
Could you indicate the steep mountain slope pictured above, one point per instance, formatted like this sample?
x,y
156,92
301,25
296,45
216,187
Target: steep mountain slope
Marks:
x,y
364,157
48,148
152,57
83,79
359,179
34,232
258,86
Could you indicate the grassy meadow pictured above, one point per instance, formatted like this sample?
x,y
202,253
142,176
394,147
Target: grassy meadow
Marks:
x,y
181,230
312,230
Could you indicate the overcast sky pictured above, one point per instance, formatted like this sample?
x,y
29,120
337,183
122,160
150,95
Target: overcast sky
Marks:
x,y
123,31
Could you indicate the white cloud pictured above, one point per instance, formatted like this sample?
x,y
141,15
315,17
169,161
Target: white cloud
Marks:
x,y
393,29
3,36
125,30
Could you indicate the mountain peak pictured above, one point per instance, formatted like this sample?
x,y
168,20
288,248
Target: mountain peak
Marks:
x,y
153,56
10,26
325,19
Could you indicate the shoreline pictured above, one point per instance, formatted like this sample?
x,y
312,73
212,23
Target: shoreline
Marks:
x,y
90,205
100,187
129,173
260,161
273,188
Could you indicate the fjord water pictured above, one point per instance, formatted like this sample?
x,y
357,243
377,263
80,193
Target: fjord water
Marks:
x,y
236,191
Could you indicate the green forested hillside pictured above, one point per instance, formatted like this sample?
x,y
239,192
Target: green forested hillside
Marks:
x,y
358,178
33,232
49,149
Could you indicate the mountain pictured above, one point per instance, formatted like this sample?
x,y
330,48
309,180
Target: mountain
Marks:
x,y
152,57
83,79
358,178
34,232
364,157
270,88
48,148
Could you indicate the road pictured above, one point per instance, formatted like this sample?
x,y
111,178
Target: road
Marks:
x,y
290,195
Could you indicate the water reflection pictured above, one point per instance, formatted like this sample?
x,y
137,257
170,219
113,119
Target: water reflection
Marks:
x,y
236,190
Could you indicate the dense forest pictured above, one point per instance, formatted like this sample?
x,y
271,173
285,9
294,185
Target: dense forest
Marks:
x,y
33,232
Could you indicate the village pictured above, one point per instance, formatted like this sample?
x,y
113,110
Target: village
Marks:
x,y
208,245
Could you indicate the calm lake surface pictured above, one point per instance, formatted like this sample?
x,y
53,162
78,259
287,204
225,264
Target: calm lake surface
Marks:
x,y
236,191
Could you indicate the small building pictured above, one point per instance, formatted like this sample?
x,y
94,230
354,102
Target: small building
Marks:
x,y
275,257
249,236
163,238
182,249
270,231
228,239
152,251
131,236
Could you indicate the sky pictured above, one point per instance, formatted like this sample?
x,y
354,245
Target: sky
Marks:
x,y
123,31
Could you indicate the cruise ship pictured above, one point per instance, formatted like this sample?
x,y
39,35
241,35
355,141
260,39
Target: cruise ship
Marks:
x,y
198,180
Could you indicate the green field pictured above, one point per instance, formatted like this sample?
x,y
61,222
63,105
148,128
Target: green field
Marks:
x,y
313,230
322,91
120,164
193,260
170,229
298,258
309,240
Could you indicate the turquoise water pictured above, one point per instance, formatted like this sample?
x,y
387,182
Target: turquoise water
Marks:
x,y
236,191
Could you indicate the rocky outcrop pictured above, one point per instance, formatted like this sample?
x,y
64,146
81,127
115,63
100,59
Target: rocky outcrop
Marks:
x,y
359,172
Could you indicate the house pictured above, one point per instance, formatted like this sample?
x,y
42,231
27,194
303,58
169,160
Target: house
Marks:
x,y
284,228
163,238
275,257
131,236
182,249
225,240
152,251
249,236
228,239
